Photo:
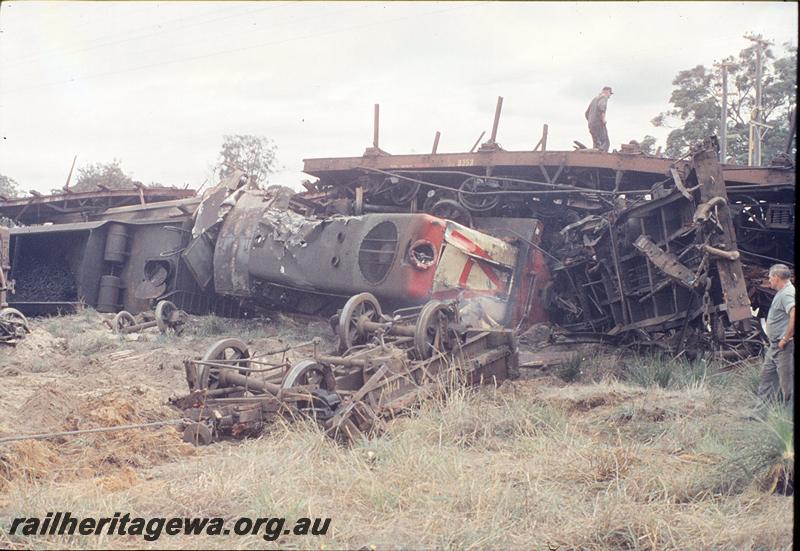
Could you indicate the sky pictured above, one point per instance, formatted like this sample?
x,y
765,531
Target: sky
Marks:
x,y
157,85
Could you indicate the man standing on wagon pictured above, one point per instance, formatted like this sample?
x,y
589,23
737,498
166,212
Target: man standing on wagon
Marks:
x,y
596,117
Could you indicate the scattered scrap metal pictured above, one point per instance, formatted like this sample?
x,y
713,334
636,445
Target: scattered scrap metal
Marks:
x,y
166,317
626,247
665,270
13,324
70,205
465,249
642,251
384,365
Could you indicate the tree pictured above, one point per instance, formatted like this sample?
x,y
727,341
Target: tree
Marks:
x,y
110,175
8,187
647,144
255,155
697,103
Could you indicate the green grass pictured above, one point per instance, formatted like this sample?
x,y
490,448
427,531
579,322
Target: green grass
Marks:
x,y
760,452
84,319
86,344
665,372
216,326
571,370
209,326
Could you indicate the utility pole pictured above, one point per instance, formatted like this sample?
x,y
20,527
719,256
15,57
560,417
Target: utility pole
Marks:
x,y
757,130
756,124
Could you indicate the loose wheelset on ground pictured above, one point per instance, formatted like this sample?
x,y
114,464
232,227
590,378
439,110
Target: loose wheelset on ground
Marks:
x,y
15,317
123,322
360,317
168,319
361,320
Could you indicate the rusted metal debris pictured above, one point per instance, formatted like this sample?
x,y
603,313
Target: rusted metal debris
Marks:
x,y
665,269
385,364
13,324
629,255
631,248
166,317
72,206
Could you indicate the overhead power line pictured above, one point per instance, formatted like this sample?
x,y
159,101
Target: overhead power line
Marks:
x,y
238,33
140,36
466,5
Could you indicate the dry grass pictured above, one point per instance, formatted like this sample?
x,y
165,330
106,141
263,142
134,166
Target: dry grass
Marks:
x,y
654,458
522,466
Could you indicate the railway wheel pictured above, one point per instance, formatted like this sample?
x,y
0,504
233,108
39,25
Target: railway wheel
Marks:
x,y
197,434
478,203
168,317
309,373
402,192
433,196
451,210
121,321
433,332
16,317
320,384
359,309
225,351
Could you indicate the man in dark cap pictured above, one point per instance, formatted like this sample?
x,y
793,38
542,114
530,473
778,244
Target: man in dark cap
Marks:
x,y
596,116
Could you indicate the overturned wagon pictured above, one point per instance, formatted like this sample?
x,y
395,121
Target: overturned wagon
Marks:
x,y
639,249
396,361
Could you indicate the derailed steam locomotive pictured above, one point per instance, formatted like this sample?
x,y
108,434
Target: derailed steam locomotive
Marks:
x,y
618,245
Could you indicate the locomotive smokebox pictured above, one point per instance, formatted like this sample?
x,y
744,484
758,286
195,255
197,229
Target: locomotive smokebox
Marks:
x,y
267,255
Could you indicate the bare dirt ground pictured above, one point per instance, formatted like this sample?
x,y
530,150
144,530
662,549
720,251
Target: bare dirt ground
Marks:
x,y
597,454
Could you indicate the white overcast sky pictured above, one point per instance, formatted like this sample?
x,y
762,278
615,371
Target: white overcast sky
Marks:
x,y
157,84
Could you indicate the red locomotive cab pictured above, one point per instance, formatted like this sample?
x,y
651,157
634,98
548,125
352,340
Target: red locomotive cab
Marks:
x,y
496,281
435,258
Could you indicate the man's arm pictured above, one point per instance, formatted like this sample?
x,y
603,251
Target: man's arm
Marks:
x,y
602,104
787,338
